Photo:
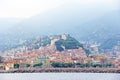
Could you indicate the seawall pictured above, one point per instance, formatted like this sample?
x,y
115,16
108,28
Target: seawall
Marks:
x,y
66,70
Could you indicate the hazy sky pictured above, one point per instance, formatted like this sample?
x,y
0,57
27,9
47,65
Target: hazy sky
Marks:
x,y
28,8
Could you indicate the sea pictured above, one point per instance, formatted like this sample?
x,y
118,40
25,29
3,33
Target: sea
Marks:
x,y
59,76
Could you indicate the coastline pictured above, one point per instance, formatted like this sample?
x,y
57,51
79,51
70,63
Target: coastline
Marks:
x,y
65,70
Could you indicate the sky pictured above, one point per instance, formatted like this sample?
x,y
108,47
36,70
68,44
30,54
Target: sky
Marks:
x,y
29,8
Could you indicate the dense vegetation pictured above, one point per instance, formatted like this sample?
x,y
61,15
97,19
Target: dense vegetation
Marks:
x,y
16,65
69,43
81,65
62,65
38,65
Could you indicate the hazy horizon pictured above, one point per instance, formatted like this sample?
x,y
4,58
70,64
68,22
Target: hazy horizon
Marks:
x,y
22,9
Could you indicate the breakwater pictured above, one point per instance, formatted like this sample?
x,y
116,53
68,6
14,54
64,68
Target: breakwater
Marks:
x,y
58,70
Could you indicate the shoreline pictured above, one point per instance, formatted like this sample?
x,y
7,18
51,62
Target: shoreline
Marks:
x,y
65,70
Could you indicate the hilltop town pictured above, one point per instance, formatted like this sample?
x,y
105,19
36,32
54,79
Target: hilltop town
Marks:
x,y
56,51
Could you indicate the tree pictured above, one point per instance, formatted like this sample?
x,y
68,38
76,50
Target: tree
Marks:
x,y
38,65
16,65
27,65
62,65
69,64
108,65
55,64
96,65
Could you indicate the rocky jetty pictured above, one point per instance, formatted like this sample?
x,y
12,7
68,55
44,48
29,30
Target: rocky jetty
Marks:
x,y
66,70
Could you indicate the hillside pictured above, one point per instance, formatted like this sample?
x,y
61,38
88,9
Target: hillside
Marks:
x,y
43,41
69,43
111,42
103,28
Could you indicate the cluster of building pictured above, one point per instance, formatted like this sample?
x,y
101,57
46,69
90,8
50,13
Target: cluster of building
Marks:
x,y
49,54
45,56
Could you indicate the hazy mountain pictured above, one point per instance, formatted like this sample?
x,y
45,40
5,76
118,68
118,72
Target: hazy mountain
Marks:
x,y
84,21
7,23
72,18
111,42
103,28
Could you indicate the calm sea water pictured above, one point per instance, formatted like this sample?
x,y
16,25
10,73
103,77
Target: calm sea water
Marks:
x,y
60,76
